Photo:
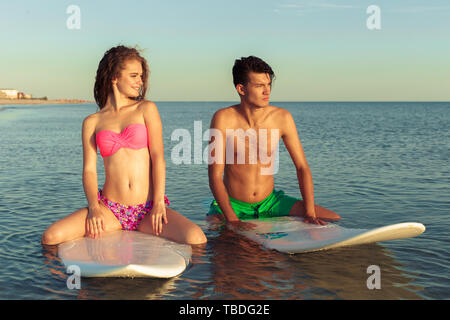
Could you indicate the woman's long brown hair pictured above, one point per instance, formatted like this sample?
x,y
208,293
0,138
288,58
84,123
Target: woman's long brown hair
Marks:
x,y
110,67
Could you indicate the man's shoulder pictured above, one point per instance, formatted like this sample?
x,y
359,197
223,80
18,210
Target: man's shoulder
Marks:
x,y
225,111
279,113
224,115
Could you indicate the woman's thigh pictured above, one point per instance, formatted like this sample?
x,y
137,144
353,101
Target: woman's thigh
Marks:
x,y
178,228
73,226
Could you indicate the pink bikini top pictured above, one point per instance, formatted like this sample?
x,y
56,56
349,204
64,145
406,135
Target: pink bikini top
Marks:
x,y
134,136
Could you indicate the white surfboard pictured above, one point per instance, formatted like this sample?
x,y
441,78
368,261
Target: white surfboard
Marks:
x,y
292,235
126,254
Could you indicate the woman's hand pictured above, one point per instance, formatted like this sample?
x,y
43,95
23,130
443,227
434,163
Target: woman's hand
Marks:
x,y
159,216
95,222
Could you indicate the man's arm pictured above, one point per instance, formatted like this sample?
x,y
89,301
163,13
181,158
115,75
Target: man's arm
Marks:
x,y
295,149
216,168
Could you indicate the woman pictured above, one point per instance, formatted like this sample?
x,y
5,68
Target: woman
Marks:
x,y
128,131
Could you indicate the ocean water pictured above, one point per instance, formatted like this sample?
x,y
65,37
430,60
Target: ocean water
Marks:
x,y
373,163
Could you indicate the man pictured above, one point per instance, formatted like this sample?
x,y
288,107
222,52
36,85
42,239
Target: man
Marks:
x,y
246,136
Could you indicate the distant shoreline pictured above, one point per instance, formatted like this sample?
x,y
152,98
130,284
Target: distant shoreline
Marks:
x,y
42,101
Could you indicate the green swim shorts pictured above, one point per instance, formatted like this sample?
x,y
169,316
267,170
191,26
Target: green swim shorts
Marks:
x,y
277,204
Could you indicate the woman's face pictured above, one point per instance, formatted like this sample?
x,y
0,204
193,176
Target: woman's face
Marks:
x,y
130,80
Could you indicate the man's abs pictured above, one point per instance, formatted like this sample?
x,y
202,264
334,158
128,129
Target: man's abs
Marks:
x,y
244,183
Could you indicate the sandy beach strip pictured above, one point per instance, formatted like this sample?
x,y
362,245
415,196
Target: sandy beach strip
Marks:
x,y
42,101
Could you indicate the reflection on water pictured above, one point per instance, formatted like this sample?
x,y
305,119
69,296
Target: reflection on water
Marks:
x,y
230,266
373,163
136,289
241,269
106,288
343,271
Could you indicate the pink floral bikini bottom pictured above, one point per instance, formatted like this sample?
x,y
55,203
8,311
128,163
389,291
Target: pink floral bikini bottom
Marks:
x,y
129,216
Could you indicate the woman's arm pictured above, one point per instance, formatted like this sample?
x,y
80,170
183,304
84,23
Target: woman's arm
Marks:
x,y
94,221
90,183
158,164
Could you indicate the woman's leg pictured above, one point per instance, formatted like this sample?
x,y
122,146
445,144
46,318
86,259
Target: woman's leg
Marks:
x,y
179,228
74,226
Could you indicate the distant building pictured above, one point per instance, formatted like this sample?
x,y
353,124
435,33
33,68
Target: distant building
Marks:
x,y
10,93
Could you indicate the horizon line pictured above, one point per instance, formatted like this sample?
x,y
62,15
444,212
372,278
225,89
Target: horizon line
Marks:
x,y
231,101
274,101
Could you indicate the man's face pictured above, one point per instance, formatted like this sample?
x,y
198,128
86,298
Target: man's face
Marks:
x,y
257,89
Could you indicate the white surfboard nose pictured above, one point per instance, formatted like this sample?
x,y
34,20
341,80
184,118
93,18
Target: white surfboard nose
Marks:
x,y
291,235
413,228
420,226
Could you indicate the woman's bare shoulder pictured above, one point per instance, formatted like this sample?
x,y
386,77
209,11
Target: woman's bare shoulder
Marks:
x,y
149,110
91,120
147,105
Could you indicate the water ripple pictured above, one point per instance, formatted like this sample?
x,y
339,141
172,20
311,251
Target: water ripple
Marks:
x,y
373,163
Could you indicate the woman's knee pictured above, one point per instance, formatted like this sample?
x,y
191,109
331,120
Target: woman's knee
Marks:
x,y
52,236
195,235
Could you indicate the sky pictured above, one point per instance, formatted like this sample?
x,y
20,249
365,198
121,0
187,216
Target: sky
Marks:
x,y
319,50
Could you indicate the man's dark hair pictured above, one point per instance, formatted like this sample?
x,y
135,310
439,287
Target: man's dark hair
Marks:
x,y
243,66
